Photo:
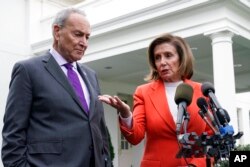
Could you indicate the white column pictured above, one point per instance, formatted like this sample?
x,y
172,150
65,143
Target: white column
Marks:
x,y
245,126
223,71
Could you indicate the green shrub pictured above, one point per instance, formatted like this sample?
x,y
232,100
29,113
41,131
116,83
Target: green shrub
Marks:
x,y
243,147
225,162
111,148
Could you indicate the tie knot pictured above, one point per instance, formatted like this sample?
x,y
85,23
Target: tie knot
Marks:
x,y
68,66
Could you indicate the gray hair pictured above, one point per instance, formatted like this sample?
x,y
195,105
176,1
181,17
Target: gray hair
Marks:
x,y
64,14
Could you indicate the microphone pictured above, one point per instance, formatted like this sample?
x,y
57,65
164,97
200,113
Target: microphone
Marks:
x,y
208,91
183,98
204,117
204,113
221,117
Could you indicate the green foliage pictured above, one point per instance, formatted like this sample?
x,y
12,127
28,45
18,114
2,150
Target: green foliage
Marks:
x,y
222,163
111,148
243,147
225,162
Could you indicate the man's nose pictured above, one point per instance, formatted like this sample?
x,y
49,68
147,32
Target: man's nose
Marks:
x,y
84,41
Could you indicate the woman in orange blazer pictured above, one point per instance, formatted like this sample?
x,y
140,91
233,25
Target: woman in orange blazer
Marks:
x,y
155,111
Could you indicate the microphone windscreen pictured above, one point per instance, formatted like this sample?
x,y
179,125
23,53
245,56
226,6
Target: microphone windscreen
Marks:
x,y
184,92
222,114
206,87
227,116
201,103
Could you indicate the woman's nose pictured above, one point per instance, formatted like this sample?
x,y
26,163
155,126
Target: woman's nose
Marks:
x,y
163,61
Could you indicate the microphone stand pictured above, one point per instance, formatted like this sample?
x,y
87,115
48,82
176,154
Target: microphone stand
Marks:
x,y
185,122
208,159
217,146
185,136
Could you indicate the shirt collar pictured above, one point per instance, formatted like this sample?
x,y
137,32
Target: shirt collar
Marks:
x,y
172,84
59,59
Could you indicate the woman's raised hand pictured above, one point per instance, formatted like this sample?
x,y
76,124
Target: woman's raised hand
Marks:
x,y
117,103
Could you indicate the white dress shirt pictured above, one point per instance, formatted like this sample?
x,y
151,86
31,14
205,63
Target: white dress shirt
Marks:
x,y
61,61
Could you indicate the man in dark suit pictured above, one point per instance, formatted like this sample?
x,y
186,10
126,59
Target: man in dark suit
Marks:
x,y
45,122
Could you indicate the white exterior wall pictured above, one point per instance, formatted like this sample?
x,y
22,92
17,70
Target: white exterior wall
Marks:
x,y
38,10
14,44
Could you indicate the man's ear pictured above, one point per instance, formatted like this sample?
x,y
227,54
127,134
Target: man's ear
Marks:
x,y
56,30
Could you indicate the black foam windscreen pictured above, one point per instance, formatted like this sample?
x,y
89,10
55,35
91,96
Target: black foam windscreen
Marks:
x,y
224,116
184,92
206,87
201,103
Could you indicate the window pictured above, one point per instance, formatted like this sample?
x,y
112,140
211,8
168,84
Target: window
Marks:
x,y
249,118
239,119
125,145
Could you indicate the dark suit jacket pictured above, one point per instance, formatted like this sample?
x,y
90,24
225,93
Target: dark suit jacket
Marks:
x,y
45,124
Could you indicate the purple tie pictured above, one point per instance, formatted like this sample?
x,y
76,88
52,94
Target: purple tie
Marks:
x,y
75,82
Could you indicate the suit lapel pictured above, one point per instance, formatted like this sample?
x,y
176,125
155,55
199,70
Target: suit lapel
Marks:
x,y
159,101
55,70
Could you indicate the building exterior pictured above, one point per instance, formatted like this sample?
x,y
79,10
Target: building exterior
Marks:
x,y
217,31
